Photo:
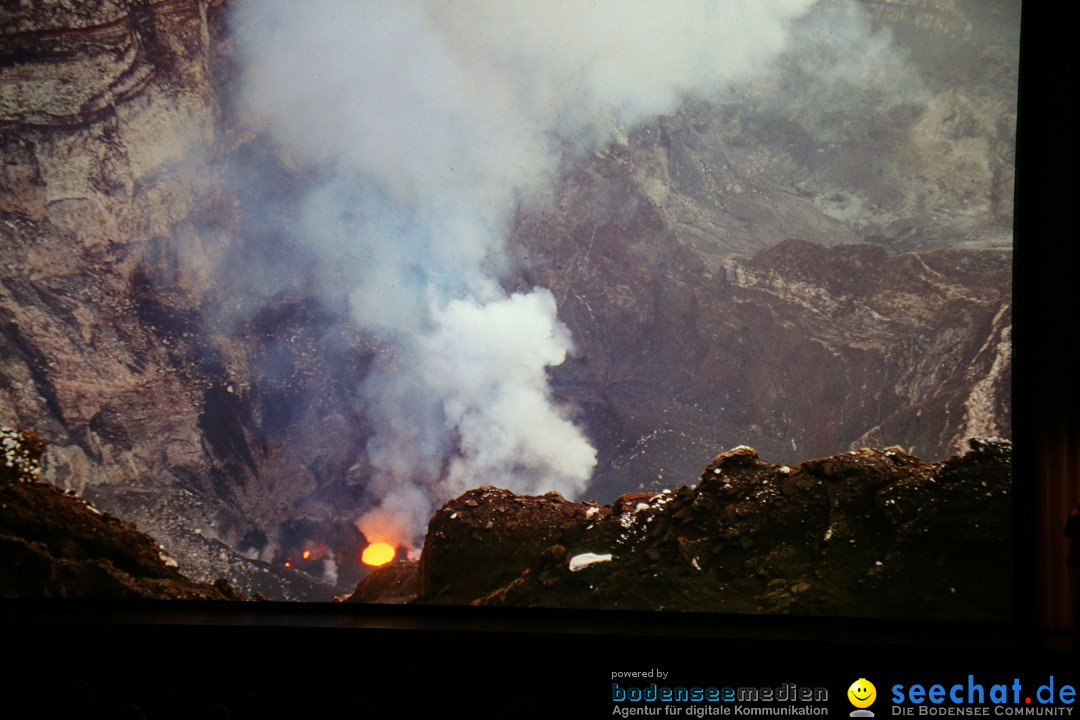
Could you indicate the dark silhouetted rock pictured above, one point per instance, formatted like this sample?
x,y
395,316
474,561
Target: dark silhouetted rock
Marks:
x,y
392,584
875,533
53,544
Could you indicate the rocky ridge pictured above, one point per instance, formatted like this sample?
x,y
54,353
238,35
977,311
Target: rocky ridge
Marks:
x,y
868,533
54,544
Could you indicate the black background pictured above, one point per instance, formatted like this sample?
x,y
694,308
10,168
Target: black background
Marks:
x,y
86,659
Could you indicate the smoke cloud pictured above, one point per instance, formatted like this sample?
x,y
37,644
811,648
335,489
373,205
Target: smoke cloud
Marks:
x,y
426,123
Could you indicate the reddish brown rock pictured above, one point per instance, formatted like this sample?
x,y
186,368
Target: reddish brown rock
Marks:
x,y
484,538
393,584
56,545
868,533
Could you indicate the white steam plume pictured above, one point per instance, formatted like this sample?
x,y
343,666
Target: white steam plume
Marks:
x,y
427,121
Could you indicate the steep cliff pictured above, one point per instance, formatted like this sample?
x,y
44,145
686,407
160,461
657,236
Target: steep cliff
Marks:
x,y
118,223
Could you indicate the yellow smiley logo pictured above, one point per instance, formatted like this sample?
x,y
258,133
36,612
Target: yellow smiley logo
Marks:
x,y
862,693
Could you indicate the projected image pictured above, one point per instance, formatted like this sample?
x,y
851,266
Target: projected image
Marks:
x,y
664,306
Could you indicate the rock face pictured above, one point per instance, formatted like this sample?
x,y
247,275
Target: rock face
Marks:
x,y
122,339
56,545
798,350
869,533
687,260
394,584
220,411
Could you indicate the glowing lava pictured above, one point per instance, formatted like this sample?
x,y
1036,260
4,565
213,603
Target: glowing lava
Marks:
x,y
378,553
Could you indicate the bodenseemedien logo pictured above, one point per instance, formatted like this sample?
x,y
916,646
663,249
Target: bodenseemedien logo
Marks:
x,y
697,701
862,694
